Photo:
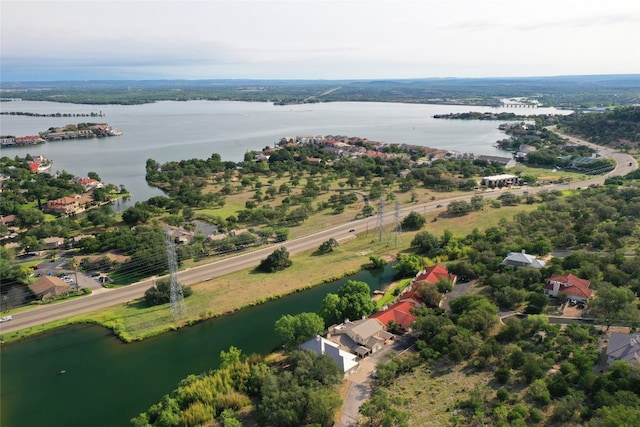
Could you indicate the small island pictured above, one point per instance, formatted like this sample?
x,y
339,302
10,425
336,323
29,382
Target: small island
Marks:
x,y
71,131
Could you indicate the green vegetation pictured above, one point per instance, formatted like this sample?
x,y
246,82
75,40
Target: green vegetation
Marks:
x,y
294,330
618,128
160,293
297,391
278,260
565,91
353,301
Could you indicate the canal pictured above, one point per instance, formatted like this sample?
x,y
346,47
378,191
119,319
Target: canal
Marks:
x,y
106,382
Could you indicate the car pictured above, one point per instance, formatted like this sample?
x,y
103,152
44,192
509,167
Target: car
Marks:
x,y
352,230
6,318
438,206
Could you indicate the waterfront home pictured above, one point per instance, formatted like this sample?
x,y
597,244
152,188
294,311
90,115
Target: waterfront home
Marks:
x,y
319,345
68,205
396,315
434,274
362,337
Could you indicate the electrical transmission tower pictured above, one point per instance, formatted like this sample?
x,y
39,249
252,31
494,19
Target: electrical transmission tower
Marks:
x,y
177,298
380,224
397,225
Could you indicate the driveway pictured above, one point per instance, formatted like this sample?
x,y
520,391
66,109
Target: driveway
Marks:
x,y
360,381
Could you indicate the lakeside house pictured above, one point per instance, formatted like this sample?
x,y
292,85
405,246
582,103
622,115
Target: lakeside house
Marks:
x,y
68,205
362,337
347,361
434,274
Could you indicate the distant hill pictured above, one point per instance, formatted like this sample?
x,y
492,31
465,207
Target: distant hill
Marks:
x,y
559,91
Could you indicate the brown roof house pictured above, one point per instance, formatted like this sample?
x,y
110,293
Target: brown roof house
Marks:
x,y
49,287
572,286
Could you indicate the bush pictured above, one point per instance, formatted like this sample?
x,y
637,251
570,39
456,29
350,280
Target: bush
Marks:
x,y
160,293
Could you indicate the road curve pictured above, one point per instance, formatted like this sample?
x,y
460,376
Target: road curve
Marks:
x,y
108,297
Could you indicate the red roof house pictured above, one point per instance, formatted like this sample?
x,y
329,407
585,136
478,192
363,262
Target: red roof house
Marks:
x,y
434,273
571,286
399,313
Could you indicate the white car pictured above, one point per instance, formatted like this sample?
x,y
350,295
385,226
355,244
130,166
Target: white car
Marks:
x,y
6,318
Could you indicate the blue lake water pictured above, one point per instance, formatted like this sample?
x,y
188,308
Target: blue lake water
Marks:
x,y
167,131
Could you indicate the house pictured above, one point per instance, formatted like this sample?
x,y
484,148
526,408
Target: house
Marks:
x,y
8,220
398,313
433,275
623,347
319,345
362,337
522,259
53,242
572,286
49,287
65,205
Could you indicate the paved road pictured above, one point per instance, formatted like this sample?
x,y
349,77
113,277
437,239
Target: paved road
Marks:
x,y
102,298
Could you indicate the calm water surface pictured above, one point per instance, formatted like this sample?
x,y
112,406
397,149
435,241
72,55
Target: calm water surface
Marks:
x,y
166,131
107,383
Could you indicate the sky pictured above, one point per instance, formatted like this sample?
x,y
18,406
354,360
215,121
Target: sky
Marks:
x,y
315,39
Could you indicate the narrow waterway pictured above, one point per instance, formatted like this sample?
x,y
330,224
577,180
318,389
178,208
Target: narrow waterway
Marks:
x,y
106,383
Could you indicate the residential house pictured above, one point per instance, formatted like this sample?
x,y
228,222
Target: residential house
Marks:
x,y
49,287
433,275
319,345
362,337
398,314
623,347
572,286
8,220
522,259
64,205
53,242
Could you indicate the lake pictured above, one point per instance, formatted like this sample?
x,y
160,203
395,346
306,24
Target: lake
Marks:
x,y
107,383
167,131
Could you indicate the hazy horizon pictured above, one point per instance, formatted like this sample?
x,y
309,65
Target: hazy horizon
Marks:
x,y
315,39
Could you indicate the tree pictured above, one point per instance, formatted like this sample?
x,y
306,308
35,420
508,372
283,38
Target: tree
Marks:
x,y
160,293
425,242
459,208
277,261
413,221
409,265
613,305
135,215
537,303
328,245
294,330
355,300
